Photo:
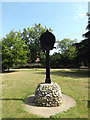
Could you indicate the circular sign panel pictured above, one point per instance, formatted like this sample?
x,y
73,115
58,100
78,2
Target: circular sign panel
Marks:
x,y
47,40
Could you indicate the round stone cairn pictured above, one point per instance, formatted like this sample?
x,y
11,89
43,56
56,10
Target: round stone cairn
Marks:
x,y
48,95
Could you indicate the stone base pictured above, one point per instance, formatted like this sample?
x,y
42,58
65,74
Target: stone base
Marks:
x,y
48,95
46,112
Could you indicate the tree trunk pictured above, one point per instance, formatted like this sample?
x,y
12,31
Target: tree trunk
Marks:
x,y
8,68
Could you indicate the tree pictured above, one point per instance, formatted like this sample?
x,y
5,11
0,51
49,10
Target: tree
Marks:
x,y
43,59
13,50
66,48
0,56
83,47
55,60
67,51
31,37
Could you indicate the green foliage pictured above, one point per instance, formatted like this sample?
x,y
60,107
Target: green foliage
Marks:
x,y
67,52
13,50
31,37
55,60
66,47
19,48
83,48
43,59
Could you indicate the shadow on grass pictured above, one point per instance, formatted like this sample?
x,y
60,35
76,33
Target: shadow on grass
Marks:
x,y
11,99
11,71
72,74
29,100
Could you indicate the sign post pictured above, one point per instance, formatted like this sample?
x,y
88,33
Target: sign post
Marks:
x,y
47,41
48,80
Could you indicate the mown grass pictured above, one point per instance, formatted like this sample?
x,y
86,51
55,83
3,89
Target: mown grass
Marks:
x,y
16,86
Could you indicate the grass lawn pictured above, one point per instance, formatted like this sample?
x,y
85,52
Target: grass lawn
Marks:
x,y
17,85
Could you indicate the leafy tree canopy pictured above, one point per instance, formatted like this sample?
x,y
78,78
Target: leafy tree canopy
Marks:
x,y
66,48
83,48
31,37
13,50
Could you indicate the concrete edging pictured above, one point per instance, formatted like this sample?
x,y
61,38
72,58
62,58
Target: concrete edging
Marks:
x,y
46,112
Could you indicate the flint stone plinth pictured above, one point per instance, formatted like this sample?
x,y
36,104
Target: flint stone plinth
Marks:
x,y
48,95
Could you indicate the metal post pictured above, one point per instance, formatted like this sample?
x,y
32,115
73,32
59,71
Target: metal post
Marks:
x,y
47,68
